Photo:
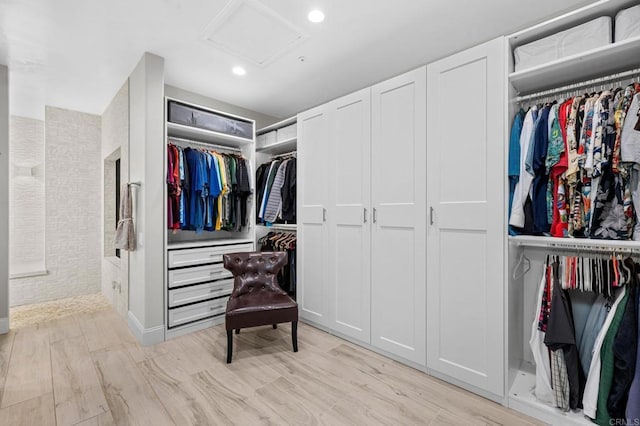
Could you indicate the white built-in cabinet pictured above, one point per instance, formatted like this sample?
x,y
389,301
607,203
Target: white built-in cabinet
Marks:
x,y
362,204
466,233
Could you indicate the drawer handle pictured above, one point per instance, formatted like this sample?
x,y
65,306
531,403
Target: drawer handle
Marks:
x,y
215,272
212,255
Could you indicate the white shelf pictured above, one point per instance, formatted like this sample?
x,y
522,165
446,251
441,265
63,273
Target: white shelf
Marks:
x,y
281,147
575,243
522,399
606,60
203,135
281,226
277,125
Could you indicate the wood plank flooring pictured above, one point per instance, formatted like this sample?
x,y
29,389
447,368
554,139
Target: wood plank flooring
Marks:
x,y
88,370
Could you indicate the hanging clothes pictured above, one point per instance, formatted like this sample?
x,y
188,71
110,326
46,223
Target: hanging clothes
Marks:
x,y
207,190
579,168
283,241
543,390
592,386
276,188
560,338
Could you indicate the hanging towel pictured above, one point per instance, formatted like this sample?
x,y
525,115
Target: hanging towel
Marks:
x,y
125,235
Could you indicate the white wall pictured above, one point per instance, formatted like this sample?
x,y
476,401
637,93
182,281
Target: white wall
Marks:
x,y
146,145
26,196
4,199
115,142
73,210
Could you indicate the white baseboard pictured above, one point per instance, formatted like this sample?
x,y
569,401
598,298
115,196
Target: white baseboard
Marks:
x,y
146,336
4,325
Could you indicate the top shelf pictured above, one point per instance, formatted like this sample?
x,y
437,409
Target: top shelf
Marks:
x,y
569,20
203,135
277,125
616,57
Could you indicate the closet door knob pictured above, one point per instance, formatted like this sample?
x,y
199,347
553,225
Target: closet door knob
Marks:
x,y
324,214
365,215
430,215
375,215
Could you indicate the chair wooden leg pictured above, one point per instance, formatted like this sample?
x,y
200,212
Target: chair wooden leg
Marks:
x,y
275,326
229,345
294,335
237,331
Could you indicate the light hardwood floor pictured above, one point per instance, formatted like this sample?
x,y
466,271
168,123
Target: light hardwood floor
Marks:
x,y
88,369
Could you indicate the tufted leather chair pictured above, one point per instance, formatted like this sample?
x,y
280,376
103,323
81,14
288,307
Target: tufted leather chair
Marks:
x,y
257,299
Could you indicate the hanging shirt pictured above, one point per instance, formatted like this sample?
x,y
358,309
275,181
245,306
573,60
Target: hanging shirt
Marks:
x,y
514,158
543,390
625,349
603,417
539,185
561,337
523,186
274,204
591,390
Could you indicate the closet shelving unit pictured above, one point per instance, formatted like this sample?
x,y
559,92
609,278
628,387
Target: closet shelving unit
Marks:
x,y
277,139
196,284
522,285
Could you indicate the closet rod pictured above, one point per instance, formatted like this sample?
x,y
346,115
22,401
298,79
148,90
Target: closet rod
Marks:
x,y
286,154
579,248
208,145
582,84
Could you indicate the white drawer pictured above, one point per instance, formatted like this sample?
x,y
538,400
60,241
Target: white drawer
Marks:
x,y
198,293
202,255
186,314
197,274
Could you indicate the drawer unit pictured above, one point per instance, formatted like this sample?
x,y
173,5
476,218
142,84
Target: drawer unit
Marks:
x,y
198,293
198,311
203,255
197,274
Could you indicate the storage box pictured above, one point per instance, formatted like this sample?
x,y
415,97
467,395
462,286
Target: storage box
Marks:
x,y
288,132
269,138
628,23
191,116
588,36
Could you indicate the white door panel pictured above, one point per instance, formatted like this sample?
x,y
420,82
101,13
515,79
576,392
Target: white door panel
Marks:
x,y
312,246
399,230
466,240
350,232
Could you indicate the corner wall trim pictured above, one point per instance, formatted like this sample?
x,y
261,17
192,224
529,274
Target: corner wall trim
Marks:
x,y
4,325
148,336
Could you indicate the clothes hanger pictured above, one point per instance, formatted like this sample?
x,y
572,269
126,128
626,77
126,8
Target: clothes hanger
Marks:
x,y
526,266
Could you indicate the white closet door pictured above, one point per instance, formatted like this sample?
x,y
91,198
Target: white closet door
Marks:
x,y
350,234
398,317
312,246
466,239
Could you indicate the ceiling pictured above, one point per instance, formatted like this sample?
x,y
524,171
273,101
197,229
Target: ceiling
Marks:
x,y
76,54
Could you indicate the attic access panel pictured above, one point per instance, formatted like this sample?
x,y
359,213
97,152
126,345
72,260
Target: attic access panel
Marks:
x,y
251,30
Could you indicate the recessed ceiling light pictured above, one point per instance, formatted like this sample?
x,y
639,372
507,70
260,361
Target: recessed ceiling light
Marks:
x,y
316,16
238,70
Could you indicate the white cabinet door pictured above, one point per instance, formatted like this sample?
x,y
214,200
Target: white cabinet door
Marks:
x,y
466,239
398,317
349,215
312,247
